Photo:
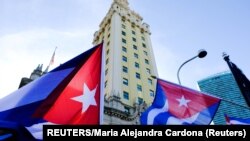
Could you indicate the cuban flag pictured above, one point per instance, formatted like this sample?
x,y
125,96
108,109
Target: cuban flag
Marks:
x,y
178,105
237,121
69,94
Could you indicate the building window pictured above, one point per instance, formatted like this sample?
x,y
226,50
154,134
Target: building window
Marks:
x,y
148,71
126,95
126,110
106,71
136,55
134,39
109,35
146,61
135,47
140,100
106,84
124,41
124,69
150,82
145,52
143,38
133,32
125,81
133,25
137,75
109,29
108,43
137,65
123,26
107,52
151,93
124,49
123,33
124,59
107,61
139,88
143,45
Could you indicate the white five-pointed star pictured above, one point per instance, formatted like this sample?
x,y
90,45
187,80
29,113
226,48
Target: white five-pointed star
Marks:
x,y
183,101
87,98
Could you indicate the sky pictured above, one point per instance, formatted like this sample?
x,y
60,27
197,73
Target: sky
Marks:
x,y
30,30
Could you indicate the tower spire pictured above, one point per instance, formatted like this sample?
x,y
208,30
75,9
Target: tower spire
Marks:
x,y
122,2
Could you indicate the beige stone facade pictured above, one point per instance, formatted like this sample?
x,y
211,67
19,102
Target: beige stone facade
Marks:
x,y
129,64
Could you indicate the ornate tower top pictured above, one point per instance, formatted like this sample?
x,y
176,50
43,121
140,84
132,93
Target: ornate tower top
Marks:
x,y
122,2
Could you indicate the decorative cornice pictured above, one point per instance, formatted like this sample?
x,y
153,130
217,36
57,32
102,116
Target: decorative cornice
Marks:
x,y
113,111
126,14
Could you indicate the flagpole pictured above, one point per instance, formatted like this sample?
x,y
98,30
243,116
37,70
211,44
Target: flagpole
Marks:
x,y
53,57
51,60
241,80
102,90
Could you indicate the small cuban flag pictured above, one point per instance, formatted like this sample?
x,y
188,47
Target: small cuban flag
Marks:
x,y
237,121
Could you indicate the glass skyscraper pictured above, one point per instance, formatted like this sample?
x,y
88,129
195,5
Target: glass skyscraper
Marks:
x,y
224,86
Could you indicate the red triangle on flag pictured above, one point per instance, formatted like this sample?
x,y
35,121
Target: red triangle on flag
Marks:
x,y
79,100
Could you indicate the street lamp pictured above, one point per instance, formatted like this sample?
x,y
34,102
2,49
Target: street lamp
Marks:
x,y
201,54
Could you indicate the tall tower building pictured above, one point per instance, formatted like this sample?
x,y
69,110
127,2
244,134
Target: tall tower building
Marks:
x,y
224,86
129,64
